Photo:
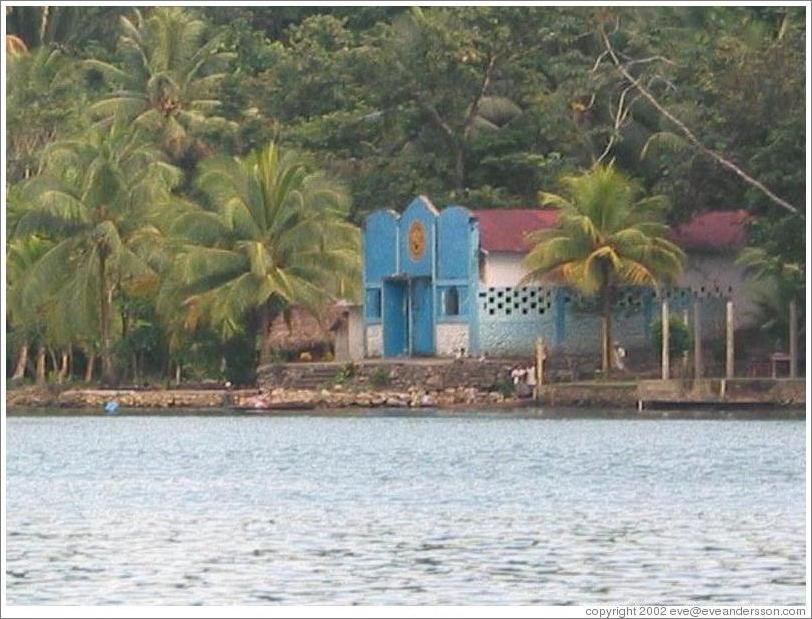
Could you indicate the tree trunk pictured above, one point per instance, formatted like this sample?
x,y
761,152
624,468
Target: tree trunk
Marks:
x,y
177,373
606,348
41,365
459,169
63,366
104,315
91,361
22,361
265,334
606,323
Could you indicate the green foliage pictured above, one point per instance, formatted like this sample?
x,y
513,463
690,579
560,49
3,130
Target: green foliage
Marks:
x,y
505,387
679,337
607,237
167,80
345,374
69,27
271,235
92,201
44,100
776,283
379,378
482,106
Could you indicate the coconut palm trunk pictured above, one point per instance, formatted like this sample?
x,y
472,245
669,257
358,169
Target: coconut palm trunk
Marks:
x,y
606,334
104,315
22,361
91,362
265,334
607,237
41,361
64,365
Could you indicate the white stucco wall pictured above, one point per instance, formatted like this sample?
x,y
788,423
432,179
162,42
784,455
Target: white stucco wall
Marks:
x,y
503,268
356,333
374,341
718,275
450,338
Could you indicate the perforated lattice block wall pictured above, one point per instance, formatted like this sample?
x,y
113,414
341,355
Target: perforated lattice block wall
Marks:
x,y
514,303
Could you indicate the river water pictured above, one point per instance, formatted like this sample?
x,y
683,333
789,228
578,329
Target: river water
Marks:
x,y
392,509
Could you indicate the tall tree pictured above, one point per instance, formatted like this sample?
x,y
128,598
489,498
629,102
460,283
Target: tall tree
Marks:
x,y
168,79
93,201
67,27
27,327
273,235
607,237
44,103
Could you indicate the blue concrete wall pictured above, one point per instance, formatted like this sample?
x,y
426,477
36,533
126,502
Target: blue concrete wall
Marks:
x,y
458,270
380,246
421,307
420,213
453,244
395,318
510,319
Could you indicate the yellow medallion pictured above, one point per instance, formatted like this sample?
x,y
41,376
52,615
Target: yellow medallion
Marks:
x,y
417,241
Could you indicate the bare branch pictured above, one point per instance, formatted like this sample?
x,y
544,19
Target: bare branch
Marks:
x,y
598,61
649,59
621,117
721,160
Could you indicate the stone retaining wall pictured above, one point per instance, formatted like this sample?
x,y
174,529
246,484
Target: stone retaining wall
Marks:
x,y
618,395
128,398
487,375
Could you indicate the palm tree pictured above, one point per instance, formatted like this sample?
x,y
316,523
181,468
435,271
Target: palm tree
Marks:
x,y
168,79
274,235
62,26
784,282
607,237
44,99
26,326
93,200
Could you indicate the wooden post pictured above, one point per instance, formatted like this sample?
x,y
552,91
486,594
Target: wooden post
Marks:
x,y
684,360
697,342
540,357
665,330
793,340
539,361
729,369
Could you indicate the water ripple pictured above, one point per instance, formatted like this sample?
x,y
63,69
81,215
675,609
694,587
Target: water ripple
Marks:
x,y
403,510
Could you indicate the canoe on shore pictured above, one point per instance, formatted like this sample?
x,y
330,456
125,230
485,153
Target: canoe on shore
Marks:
x,y
275,406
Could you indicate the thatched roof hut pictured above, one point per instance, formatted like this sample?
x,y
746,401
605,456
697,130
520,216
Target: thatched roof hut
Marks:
x,y
305,332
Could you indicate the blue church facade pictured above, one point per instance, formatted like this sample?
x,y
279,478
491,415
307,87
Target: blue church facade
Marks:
x,y
420,281
425,295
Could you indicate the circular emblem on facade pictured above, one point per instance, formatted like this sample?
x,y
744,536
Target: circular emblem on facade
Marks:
x,y
417,241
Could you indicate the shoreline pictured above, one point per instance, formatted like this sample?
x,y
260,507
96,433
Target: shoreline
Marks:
x,y
713,396
530,411
588,401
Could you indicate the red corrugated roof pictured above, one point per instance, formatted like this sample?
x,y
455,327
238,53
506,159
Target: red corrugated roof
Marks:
x,y
712,230
506,229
